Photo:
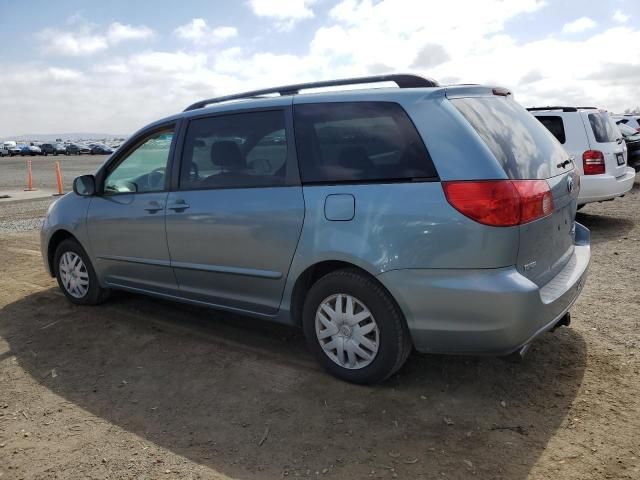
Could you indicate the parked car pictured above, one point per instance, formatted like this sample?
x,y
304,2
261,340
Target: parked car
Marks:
x,y
72,149
632,121
15,150
632,139
30,150
59,149
594,143
77,149
4,151
99,149
440,218
47,149
7,147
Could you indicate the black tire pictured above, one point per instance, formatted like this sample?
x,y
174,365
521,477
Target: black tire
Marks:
x,y
95,293
394,344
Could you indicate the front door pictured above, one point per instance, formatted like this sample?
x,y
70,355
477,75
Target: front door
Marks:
x,y
234,222
126,222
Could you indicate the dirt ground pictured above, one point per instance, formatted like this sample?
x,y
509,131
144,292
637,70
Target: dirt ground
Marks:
x,y
144,389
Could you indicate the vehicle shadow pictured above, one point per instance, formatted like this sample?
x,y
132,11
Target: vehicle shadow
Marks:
x,y
245,399
604,227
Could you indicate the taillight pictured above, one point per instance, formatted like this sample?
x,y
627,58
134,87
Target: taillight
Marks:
x,y
500,203
593,162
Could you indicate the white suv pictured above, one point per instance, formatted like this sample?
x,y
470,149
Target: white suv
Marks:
x,y
632,121
593,141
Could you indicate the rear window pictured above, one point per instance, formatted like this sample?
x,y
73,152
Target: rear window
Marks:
x,y
359,141
555,125
603,129
524,148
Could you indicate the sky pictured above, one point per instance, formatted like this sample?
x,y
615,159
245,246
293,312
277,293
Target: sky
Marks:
x,y
114,66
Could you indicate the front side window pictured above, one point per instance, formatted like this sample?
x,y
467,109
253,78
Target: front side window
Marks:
x,y
143,169
603,129
359,141
237,150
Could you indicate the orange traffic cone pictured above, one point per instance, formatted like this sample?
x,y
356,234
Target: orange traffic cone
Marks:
x,y
58,180
29,178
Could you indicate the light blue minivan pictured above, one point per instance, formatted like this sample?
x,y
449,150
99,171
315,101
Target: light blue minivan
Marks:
x,y
440,218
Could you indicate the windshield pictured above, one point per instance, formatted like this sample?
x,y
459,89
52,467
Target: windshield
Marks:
x,y
524,147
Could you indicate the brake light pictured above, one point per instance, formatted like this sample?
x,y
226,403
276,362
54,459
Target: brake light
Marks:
x,y
593,162
500,203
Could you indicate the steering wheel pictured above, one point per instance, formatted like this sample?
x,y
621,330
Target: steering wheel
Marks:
x,y
155,178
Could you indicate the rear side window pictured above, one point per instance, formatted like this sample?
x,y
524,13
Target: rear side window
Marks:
x,y
555,125
524,148
359,141
603,129
237,150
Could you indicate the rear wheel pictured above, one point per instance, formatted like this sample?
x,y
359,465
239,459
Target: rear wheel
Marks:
x,y
75,274
354,327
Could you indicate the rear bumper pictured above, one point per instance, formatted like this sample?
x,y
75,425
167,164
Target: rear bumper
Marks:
x,y
598,188
485,311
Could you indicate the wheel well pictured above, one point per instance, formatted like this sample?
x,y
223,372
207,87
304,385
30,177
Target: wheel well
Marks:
x,y
56,239
310,276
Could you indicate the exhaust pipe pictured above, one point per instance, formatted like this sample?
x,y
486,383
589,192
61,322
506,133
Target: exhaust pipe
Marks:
x,y
518,356
565,321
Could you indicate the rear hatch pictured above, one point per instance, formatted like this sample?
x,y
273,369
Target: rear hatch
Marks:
x,y
604,136
527,151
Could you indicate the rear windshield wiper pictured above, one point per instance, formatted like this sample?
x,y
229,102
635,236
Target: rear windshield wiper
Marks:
x,y
564,164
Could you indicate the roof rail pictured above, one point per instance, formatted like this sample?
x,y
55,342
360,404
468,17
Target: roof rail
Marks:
x,y
564,109
402,80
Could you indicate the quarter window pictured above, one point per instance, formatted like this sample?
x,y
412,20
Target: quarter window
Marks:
x,y
237,150
602,127
144,169
359,141
555,125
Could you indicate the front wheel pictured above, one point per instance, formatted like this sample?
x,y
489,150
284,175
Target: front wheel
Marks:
x,y
75,274
354,327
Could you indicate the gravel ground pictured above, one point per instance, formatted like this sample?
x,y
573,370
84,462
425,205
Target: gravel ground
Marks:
x,y
143,389
23,216
14,171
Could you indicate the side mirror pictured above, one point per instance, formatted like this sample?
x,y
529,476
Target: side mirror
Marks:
x,y
85,186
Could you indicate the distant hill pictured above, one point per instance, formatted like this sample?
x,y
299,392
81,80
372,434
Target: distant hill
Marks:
x,y
41,137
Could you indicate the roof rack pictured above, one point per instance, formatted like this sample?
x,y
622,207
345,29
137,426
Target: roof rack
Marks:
x,y
564,109
402,80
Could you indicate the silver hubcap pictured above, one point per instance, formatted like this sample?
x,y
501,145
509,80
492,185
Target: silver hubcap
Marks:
x,y
347,331
74,275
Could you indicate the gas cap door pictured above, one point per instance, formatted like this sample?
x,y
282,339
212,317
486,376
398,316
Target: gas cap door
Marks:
x,y
339,207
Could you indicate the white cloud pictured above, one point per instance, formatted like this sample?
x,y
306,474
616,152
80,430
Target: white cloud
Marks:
x,y
620,17
117,32
198,32
72,43
286,13
357,37
83,38
579,25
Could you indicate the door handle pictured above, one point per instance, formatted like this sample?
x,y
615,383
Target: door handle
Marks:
x,y
178,206
153,207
